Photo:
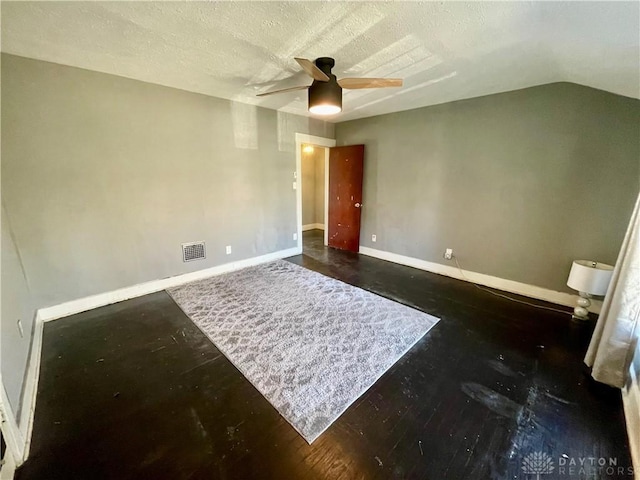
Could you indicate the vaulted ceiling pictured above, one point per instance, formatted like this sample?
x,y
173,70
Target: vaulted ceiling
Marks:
x,y
445,51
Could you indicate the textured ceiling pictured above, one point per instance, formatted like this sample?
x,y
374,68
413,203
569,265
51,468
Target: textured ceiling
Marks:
x,y
444,51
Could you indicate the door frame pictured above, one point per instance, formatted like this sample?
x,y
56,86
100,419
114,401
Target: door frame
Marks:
x,y
327,143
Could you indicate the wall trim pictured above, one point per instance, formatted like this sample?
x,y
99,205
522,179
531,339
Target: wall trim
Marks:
x,y
8,468
12,435
327,154
28,408
313,226
532,291
94,301
631,405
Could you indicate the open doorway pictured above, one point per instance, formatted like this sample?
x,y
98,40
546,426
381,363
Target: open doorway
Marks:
x,y
313,195
315,225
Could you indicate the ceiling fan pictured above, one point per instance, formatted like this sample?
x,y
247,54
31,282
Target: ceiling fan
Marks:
x,y
325,93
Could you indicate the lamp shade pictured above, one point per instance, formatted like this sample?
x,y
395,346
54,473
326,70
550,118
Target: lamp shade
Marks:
x,y
590,277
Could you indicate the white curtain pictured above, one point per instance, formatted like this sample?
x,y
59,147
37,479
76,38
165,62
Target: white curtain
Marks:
x,y
615,338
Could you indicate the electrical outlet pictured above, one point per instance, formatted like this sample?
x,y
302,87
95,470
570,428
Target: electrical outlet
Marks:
x,y
373,238
448,253
228,249
295,236
295,185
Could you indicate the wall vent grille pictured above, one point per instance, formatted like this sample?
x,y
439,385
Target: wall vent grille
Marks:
x,y
193,251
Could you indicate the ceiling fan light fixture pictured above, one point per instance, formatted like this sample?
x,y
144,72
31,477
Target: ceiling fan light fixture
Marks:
x,y
325,109
325,98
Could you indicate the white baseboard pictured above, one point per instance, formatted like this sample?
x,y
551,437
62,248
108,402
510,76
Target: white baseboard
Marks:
x,y
11,432
313,226
8,468
87,303
28,409
631,403
532,291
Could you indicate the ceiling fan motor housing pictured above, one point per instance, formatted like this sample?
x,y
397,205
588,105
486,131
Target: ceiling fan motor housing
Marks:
x,y
325,93
325,64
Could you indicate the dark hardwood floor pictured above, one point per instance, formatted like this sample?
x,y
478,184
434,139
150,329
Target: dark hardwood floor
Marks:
x,y
135,391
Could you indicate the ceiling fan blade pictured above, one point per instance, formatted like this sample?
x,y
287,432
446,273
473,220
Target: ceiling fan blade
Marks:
x,y
353,83
292,89
312,70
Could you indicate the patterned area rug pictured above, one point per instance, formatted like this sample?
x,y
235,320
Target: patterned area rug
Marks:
x,y
309,343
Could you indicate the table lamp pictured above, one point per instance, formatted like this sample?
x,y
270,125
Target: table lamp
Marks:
x,y
588,278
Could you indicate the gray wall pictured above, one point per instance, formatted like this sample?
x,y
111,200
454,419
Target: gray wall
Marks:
x,y
518,184
16,305
104,177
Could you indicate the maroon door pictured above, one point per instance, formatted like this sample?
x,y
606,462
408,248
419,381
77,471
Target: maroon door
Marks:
x,y
345,196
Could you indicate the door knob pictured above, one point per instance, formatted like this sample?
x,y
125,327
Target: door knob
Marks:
x,y
358,205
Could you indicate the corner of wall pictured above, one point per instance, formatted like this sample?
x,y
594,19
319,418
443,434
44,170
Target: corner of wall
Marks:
x,y
19,424
30,391
21,370
12,435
